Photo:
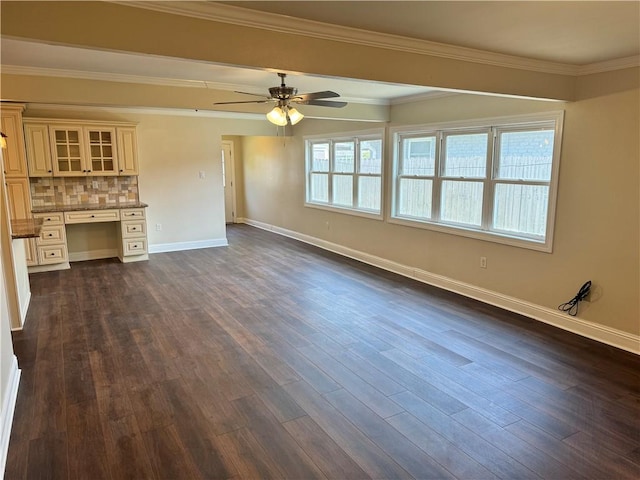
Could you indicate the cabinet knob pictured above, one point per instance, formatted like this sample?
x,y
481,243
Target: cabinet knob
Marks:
x,y
93,216
52,254
49,171
50,235
121,171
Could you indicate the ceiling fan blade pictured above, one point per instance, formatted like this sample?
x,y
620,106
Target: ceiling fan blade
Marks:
x,y
321,103
317,95
254,94
248,101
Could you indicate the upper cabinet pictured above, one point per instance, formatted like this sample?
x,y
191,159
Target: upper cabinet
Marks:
x,y
127,151
74,148
14,164
38,152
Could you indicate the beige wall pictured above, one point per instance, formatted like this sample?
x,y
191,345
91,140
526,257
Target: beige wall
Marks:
x,y
597,222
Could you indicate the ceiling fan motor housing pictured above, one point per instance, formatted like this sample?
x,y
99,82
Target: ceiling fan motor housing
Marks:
x,y
282,92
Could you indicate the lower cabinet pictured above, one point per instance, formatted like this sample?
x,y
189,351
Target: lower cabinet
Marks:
x,y
51,251
133,233
51,246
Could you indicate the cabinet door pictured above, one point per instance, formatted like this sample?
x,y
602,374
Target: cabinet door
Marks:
x,y
127,151
68,151
14,158
38,151
101,156
31,252
19,198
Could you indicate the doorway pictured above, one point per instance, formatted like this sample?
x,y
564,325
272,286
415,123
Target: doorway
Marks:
x,y
228,182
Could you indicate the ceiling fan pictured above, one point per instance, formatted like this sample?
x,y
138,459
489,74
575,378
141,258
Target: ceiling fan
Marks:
x,y
283,96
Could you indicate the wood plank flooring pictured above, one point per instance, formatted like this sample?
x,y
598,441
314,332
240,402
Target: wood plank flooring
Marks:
x,y
273,359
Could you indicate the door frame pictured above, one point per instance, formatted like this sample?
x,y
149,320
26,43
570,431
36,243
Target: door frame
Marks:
x,y
230,175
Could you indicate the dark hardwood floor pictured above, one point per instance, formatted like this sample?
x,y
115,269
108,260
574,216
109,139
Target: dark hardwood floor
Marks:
x,y
273,359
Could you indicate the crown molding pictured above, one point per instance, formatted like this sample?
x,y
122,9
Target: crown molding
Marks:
x,y
283,24
175,112
217,12
610,65
109,77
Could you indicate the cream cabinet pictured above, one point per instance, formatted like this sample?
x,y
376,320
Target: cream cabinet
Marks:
x,y
127,150
19,198
51,246
14,156
51,251
133,234
38,150
71,148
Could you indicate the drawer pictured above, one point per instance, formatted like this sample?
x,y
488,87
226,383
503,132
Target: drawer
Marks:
x,y
55,218
52,234
48,255
92,216
134,246
127,213
134,228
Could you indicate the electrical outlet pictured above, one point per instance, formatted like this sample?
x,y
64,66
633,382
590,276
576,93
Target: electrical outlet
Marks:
x,y
483,262
158,227
201,174
327,225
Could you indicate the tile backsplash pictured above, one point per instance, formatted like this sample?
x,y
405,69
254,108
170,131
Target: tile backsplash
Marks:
x,y
49,191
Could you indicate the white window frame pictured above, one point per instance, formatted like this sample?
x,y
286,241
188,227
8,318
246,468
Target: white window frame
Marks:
x,y
494,126
332,139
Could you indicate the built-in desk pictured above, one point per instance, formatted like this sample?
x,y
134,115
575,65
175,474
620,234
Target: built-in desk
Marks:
x,y
130,232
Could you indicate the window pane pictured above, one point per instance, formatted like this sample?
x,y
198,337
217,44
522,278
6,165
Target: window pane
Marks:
x,y
369,193
320,157
462,202
319,187
414,199
343,190
521,208
344,157
418,156
466,155
371,156
526,155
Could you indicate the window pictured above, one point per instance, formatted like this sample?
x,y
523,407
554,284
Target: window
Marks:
x,y
496,182
345,173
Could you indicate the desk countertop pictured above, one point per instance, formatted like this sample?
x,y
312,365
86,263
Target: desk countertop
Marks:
x,y
26,228
87,206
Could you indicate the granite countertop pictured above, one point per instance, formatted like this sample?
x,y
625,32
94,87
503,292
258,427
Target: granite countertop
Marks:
x,y
87,206
27,228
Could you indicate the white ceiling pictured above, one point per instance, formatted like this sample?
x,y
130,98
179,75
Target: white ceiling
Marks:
x,y
572,33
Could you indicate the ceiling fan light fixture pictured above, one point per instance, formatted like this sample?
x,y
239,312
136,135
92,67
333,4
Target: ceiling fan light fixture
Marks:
x,y
294,115
277,116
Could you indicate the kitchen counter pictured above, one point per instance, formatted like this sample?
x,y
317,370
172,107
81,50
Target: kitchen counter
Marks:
x,y
87,206
26,228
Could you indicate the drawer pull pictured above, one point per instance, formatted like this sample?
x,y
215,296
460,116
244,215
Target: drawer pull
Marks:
x,y
52,254
93,216
50,235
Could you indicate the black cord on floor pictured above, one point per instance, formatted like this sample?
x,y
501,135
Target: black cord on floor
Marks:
x,y
571,307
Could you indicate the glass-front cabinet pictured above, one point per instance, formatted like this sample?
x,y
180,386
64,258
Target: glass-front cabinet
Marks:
x,y
68,150
83,150
101,154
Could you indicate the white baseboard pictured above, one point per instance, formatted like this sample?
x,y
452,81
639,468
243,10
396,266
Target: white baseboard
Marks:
x,y
8,407
610,336
24,307
179,246
93,255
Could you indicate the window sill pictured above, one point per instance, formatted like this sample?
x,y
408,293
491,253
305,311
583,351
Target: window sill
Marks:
x,y
346,211
493,237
